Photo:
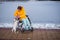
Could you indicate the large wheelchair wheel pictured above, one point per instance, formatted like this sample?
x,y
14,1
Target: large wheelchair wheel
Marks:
x,y
28,19
23,29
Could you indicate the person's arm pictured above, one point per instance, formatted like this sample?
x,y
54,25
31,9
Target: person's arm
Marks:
x,y
16,15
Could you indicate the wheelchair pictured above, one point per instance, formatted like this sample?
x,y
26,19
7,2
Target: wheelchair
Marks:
x,y
20,25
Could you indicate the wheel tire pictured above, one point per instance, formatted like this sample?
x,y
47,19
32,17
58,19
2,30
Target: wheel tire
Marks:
x,y
22,30
31,29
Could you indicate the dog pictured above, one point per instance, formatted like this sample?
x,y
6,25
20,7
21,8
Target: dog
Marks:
x,y
15,25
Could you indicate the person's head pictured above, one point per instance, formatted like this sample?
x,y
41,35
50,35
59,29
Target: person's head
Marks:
x,y
19,7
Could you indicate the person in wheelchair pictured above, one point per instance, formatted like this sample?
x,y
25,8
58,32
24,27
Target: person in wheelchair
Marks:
x,y
22,23
20,14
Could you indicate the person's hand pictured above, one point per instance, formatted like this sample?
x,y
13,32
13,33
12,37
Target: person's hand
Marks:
x,y
17,16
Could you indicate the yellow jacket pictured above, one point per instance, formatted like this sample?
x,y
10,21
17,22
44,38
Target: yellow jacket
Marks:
x,y
21,14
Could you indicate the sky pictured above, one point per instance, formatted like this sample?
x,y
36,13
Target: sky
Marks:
x,y
38,11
